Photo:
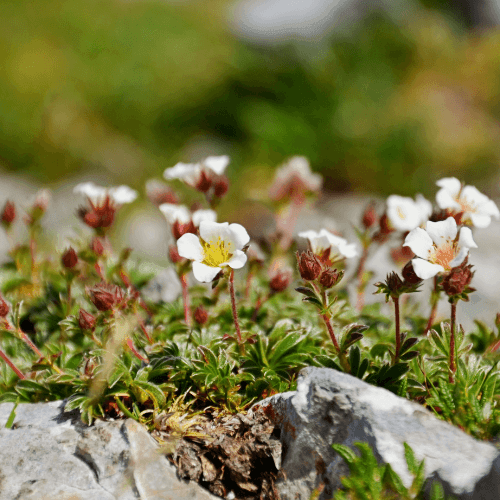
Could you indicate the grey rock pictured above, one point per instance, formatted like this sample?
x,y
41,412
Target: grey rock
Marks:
x,y
333,407
50,454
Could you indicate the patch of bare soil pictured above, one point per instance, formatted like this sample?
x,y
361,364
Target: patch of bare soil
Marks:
x,y
232,456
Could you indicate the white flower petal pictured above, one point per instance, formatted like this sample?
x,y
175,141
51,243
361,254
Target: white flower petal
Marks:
x,y
238,236
212,231
445,199
465,239
238,260
450,184
478,220
333,239
310,235
426,270
473,196
200,215
122,194
403,213
490,208
217,164
419,242
441,231
204,273
189,247
175,213
460,257
424,207
93,191
349,250
184,171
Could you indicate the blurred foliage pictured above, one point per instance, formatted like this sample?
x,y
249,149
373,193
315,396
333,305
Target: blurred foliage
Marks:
x,y
136,86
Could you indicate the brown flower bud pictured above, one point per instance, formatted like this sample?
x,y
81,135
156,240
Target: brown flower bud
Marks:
x,y
330,277
401,254
200,315
159,193
86,321
385,225
98,216
96,246
173,254
204,182
221,187
4,307
458,279
8,214
309,265
280,280
409,274
69,258
394,283
105,296
370,217
179,229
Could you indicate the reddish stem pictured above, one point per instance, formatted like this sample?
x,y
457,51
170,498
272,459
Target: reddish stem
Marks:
x,y
398,331
288,224
28,341
233,305
32,254
434,305
134,350
453,367
326,319
260,302
11,364
185,299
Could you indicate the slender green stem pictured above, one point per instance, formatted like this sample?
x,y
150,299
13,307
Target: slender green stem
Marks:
x,y
453,367
434,304
124,409
185,299
233,305
359,274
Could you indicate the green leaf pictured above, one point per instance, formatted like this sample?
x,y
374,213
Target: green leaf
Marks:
x,y
354,360
306,291
408,343
153,391
313,300
411,461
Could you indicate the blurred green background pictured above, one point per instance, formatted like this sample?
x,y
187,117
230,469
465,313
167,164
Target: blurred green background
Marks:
x,y
132,87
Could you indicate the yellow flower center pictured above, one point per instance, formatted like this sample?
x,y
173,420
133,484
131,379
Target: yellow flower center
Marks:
x,y
216,252
443,255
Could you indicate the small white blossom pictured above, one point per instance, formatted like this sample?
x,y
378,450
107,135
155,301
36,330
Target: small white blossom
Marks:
x,y
295,177
97,194
219,245
476,207
406,214
437,248
324,240
190,172
180,213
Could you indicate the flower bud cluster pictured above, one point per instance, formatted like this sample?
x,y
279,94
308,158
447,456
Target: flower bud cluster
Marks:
x,y
394,286
457,281
312,269
106,296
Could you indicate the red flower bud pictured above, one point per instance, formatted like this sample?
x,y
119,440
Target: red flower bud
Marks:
x,y
159,193
330,277
99,216
280,280
370,217
9,213
409,274
96,246
309,265
385,225
200,315
204,182
86,321
179,229
4,307
221,187
458,279
105,296
173,254
69,258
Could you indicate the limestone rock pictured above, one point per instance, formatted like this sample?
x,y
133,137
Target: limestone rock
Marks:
x,y
333,407
50,454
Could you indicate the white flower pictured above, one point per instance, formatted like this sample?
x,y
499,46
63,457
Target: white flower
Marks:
x,y
201,215
180,213
97,194
476,206
294,176
190,172
406,214
219,245
437,248
175,213
324,240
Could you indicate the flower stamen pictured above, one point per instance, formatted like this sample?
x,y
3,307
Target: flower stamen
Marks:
x,y
216,252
